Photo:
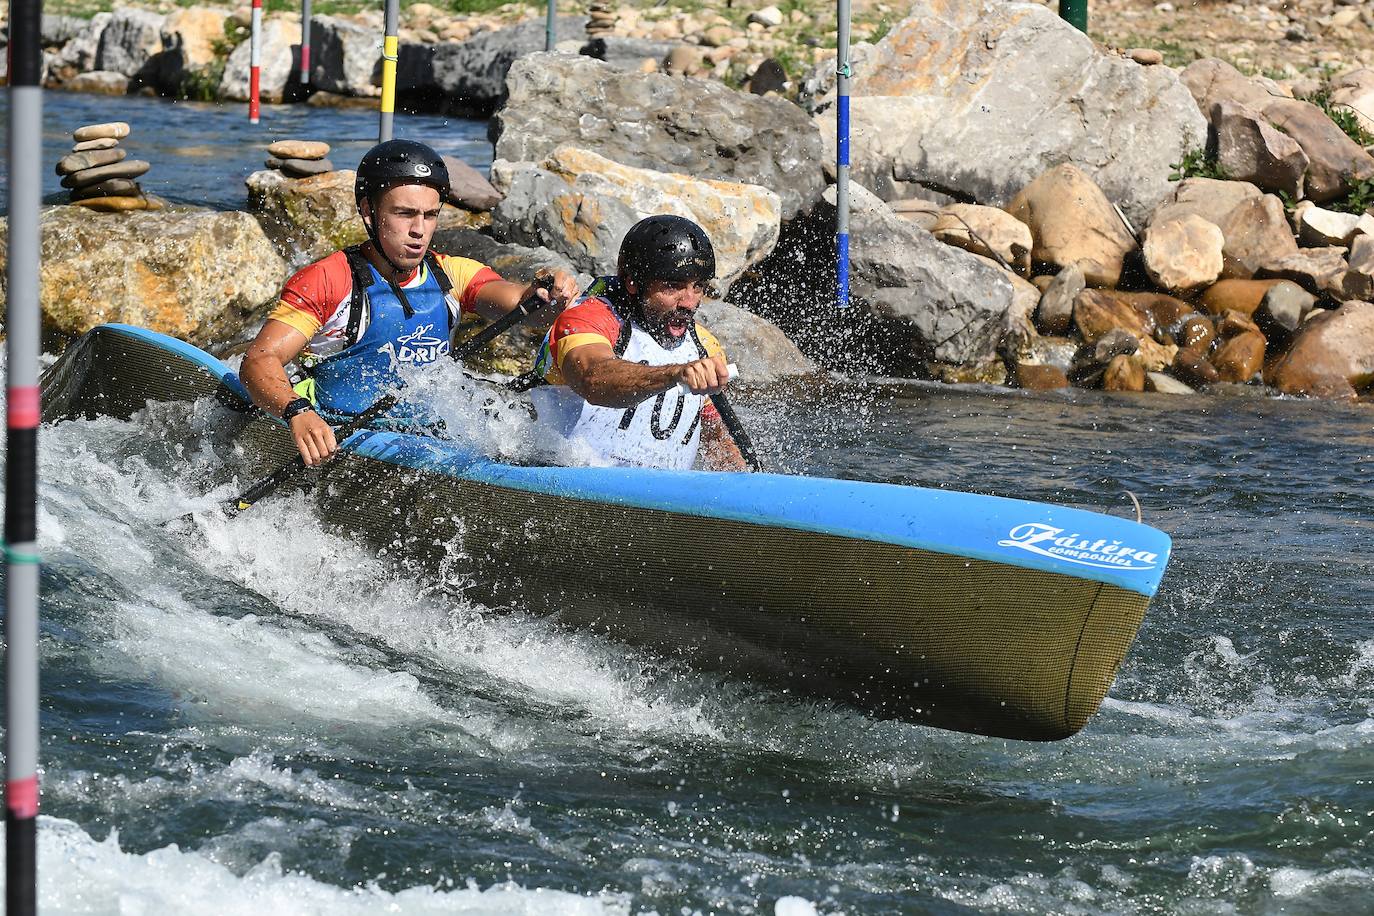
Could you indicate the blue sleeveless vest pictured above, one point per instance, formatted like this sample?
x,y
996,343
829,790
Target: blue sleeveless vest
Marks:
x,y
352,380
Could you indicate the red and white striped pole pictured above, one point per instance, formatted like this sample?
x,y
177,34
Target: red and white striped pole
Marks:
x,y
255,62
21,458
305,42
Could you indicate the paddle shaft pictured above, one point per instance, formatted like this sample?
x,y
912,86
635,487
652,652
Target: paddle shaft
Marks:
x,y
269,484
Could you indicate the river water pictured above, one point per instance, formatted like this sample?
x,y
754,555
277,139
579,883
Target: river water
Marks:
x,y
258,715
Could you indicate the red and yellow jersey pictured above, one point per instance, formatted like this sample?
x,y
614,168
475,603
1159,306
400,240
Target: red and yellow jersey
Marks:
x,y
592,320
315,301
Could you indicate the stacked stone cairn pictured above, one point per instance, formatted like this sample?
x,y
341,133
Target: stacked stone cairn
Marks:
x,y
299,158
100,176
601,17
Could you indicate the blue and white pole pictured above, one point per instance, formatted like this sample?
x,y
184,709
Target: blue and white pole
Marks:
x,y
21,458
842,74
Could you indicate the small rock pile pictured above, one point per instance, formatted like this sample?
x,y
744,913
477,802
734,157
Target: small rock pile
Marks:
x,y
98,174
601,18
299,158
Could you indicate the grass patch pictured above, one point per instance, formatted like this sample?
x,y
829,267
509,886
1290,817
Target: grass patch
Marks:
x,y
1359,200
1344,117
1197,164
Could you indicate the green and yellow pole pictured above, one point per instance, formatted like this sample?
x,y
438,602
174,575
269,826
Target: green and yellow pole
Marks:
x,y
1075,13
390,49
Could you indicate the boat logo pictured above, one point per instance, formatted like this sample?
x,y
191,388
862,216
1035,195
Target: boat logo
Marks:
x,y
1049,541
417,347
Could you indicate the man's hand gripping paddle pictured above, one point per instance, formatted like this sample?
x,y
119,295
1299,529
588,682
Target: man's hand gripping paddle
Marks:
x,y
269,484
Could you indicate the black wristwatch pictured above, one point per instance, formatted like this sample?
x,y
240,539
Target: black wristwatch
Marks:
x,y
297,406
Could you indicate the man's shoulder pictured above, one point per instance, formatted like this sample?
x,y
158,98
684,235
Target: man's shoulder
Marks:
x,y
325,274
709,342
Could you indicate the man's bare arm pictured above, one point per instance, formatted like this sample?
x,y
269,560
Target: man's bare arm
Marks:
x,y
602,378
264,375
719,451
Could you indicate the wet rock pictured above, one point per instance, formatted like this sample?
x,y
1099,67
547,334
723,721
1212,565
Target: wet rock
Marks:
x,y
1336,160
1240,357
1124,373
1072,222
1055,312
196,275
582,204
762,351
1183,255
469,188
1165,384
1192,364
298,149
1318,228
986,231
1332,355
694,127
1242,296
1317,270
1205,197
304,168
131,168
129,41
983,73
1099,312
1249,149
306,218
1283,308
1048,350
345,57
1358,282
114,130
77,162
1039,377
1256,233
278,63
474,73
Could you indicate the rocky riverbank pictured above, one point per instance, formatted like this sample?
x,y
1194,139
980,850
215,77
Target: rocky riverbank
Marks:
x,y
1030,207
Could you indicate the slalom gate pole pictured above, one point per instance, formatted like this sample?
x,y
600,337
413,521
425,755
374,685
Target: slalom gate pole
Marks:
x,y
1075,13
549,16
390,46
21,458
305,42
842,74
255,62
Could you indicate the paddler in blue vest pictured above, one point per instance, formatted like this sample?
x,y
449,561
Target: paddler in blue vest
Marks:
x,y
628,368
349,322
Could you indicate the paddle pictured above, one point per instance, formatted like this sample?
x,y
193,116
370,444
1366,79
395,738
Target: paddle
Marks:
x,y
736,430
265,487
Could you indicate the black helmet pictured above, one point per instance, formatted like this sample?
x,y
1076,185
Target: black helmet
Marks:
x,y
400,162
667,248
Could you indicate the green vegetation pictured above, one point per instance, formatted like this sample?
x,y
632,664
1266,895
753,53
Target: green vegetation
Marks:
x,y
1197,164
1359,200
1345,118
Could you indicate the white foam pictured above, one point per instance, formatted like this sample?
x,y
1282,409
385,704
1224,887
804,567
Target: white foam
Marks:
x,y
79,875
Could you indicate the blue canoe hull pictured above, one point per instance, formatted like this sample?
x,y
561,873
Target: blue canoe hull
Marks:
x,y
983,614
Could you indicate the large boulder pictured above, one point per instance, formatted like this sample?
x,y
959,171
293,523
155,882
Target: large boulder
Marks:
x,y
946,307
199,276
1183,255
582,204
306,218
189,37
280,43
472,74
129,41
874,146
80,52
1008,90
762,352
1072,222
1332,355
1249,149
344,57
654,121
987,231
1211,81
1337,162
1256,233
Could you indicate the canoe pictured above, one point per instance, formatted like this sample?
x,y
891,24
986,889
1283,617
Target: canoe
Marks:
x,y
980,614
